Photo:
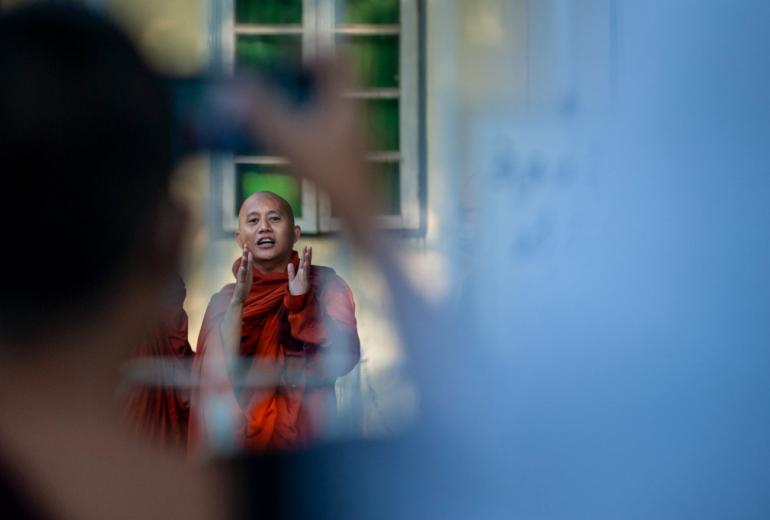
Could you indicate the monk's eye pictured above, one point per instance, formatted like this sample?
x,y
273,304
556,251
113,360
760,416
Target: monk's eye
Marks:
x,y
252,221
275,219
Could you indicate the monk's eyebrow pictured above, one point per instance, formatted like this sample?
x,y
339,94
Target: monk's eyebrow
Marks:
x,y
254,213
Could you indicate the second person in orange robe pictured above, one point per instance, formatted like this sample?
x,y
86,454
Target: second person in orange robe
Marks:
x,y
157,409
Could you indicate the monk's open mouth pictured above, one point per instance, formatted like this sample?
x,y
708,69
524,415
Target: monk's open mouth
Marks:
x,y
265,243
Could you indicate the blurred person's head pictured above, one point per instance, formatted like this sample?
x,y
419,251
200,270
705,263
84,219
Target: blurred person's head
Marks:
x,y
84,147
266,227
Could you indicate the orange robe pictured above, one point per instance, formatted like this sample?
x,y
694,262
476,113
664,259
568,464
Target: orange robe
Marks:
x,y
300,343
160,412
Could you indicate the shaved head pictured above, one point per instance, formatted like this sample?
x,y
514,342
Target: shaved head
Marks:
x,y
285,206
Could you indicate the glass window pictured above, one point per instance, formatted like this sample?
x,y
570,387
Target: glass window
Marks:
x,y
262,177
380,37
268,50
375,59
268,11
368,11
388,188
382,120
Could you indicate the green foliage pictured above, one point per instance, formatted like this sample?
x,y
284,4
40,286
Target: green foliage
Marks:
x,y
266,51
382,119
268,11
376,59
370,11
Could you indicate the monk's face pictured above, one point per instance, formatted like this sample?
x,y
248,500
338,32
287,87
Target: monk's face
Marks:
x,y
266,226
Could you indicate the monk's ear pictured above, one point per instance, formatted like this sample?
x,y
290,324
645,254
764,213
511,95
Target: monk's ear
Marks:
x,y
297,233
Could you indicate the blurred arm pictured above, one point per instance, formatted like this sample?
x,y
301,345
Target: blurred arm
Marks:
x,y
328,325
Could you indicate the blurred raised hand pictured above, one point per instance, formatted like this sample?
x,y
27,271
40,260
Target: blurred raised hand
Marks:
x,y
323,139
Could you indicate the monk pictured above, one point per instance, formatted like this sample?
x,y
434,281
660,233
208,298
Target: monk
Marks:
x,y
159,411
293,327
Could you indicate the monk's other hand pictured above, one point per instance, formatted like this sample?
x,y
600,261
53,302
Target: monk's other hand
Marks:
x,y
244,277
299,282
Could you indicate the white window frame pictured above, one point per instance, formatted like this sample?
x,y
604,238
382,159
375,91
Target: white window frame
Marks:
x,y
319,31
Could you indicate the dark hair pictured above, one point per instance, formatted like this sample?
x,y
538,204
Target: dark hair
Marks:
x,y
85,158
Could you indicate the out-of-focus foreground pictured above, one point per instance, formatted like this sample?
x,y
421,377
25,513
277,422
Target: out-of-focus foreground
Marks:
x,y
581,189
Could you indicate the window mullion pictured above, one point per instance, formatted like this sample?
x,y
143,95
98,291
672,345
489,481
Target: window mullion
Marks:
x,y
409,114
326,24
325,46
311,13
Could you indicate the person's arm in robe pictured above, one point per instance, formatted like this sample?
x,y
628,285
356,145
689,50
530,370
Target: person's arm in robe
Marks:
x,y
216,414
232,321
326,321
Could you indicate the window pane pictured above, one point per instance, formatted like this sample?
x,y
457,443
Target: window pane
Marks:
x,y
387,185
382,119
388,189
368,11
267,177
265,51
268,11
375,59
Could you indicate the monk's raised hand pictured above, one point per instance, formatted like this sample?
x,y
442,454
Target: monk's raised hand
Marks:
x,y
299,282
244,277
